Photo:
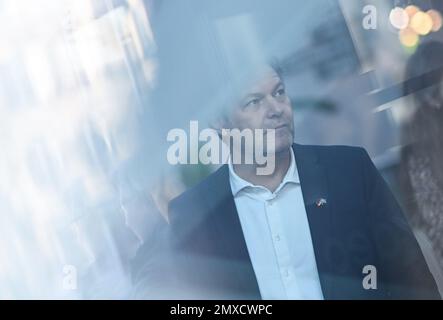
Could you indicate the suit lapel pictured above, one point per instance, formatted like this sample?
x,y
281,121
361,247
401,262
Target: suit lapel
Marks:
x,y
314,185
230,241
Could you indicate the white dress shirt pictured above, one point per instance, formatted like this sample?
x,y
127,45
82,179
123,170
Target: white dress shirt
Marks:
x,y
277,235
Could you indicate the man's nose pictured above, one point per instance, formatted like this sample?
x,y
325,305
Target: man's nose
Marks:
x,y
274,108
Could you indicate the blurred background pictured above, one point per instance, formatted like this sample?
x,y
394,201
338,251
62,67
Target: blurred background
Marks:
x,y
90,88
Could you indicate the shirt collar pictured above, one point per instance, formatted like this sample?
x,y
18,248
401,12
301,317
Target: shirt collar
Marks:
x,y
238,184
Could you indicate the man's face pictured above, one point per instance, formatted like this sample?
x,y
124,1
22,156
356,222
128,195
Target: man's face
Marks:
x,y
265,105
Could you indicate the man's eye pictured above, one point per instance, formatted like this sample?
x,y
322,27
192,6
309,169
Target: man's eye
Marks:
x,y
280,92
252,103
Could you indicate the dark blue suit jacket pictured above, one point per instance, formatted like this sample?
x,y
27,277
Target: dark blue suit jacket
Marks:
x,y
361,224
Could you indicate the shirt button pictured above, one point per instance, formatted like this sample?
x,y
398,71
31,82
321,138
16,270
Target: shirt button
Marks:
x,y
286,273
277,238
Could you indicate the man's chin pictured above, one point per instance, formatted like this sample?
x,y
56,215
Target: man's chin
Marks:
x,y
280,147
284,144
283,149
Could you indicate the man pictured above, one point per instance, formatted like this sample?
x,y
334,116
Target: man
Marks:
x,y
322,225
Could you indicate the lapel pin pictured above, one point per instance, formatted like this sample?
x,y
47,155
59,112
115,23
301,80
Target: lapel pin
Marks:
x,y
320,202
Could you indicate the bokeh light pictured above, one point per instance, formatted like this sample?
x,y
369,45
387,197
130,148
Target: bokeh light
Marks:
x,y
421,23
409,38
399,18
436,19
412,23
411,10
